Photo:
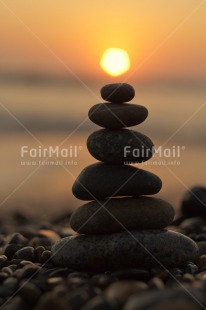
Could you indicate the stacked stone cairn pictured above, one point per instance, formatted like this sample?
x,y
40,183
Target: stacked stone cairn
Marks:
x,y
121,227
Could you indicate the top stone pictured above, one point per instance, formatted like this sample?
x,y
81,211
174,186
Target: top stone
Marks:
x,y
117,92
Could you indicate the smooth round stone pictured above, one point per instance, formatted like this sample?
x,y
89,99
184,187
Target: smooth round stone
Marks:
x,y
100,180
202,247
114,215
120,146
146,248
26,253
117,92
194,202
117,116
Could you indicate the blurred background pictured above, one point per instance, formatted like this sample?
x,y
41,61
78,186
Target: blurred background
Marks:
x,y
50,76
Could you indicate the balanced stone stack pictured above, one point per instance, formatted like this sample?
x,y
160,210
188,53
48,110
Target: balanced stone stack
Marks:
x,y
121,227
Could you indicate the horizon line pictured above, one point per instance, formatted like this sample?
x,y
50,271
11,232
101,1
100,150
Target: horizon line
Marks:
x,y
30,77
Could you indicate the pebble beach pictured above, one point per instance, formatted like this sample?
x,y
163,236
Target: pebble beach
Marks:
x,y
29,279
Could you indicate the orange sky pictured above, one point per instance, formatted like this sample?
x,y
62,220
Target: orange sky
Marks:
x,y
79,31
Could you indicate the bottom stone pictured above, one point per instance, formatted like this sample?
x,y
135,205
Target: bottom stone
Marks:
x,y
145,248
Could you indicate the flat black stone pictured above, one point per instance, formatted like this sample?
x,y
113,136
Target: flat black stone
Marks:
x,y
117,116
100,180
121,146
117,92
117,214
137,249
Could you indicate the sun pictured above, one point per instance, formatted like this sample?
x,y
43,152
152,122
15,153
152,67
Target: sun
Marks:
x,y
115,61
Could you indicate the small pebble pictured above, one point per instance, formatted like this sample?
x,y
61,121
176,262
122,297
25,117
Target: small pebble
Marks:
x,y
102,280
3,261
40,241
78,274
26,272
9,250
117,92
45,257
8,270
13,267
25,262
17,238
201,261
156,283
187,277
26,253
191,268
201,247
52,282
51,235
38,252
16,261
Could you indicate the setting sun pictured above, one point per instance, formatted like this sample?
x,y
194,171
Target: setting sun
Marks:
x,y
115,61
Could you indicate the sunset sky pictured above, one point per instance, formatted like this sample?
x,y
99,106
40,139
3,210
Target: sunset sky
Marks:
x,y
164,39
